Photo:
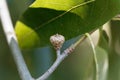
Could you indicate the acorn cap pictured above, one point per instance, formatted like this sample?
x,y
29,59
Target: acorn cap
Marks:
x,y
57,41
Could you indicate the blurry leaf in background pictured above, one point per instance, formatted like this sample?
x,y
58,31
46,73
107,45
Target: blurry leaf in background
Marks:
x,y
114,57
115,32
114,66
17,7
102,53
103,40
43,18
103,63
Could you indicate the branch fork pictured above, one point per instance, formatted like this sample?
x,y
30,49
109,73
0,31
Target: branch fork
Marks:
x,y
57,41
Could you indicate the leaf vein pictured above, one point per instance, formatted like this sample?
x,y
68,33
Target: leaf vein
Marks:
x,y
53,19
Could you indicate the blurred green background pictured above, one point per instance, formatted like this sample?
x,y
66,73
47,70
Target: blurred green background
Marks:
x,y
78,66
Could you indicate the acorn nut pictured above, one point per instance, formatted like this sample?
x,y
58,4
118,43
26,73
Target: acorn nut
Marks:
x,y
57,41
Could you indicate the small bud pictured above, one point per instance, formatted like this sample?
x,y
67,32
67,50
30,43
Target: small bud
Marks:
x,y
57,41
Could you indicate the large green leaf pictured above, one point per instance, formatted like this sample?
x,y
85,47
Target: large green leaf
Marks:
x,y
47,17
114,57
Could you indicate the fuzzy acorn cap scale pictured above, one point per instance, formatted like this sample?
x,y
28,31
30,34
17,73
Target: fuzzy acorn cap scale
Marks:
x,y
57,41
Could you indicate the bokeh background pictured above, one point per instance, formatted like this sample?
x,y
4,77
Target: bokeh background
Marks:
x,y
75,67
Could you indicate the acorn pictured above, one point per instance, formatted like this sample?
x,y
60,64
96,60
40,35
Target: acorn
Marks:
x,y
57,41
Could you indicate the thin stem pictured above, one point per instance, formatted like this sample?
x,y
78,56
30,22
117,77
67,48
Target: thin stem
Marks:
x,y
79,41
59,59
12,41
95,56
58,53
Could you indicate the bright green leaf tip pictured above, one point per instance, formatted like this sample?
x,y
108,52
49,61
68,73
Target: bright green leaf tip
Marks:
x,y
26,41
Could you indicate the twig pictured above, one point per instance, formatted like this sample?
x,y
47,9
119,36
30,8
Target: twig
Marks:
x,y
12,41
95,56
58,53
60,58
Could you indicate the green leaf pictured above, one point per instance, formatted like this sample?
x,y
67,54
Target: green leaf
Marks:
x,y
16,8
114,56
67,17
102,61
103,40
114,69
